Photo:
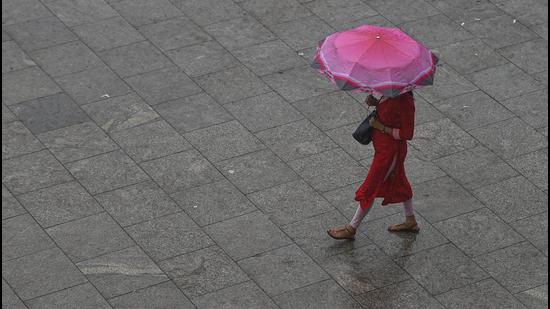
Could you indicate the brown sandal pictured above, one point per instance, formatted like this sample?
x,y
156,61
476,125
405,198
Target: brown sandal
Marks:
x,y
404,227
345,232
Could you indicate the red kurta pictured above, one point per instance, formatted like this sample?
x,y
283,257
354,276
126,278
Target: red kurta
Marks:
x,y
396,113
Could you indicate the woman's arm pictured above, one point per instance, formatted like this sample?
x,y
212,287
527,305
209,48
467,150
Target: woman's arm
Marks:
x,y
406,131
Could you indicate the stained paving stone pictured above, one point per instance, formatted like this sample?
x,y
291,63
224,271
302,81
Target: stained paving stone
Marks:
x,y
302,33
500,31
106,172
163,85
10,206
531,108
517,268
121,272
536,298
245,295
22,236
18,11
18,140
143,12
66,58
174,33
40,33
534,229
232,84
203,271
484,294
296,140
448,84
337,13
206,12
13,58
329,170
239,33
298,84
59,204
107,33
41,273
77,142
515,138
23,85
478,232
33,171
80,296
531,56
269,57
448,31
135,59
73,13
322,295
150,141
476,167
194,112
204,58
534,166
271,12
181,171
224,141
163,296
471,55
283,270
407,293
467,11
399,12
169,236
9,299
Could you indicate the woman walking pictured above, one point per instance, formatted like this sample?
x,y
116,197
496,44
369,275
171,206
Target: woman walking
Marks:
x,y
386,179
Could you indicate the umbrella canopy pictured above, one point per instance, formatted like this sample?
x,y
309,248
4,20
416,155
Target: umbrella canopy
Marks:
x,y
378,60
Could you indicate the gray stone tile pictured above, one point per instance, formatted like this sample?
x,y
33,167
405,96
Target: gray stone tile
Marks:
x,y
121,113
169,236
272,12
59,204
510,138
93,85
18,140
536,298
106,172
10,206
442,269
290,202
89,237
224,141
66,58
473,110
517,268
338,13
471,55
78,12
108,33
448,83
162,296
174,33
143,12
5,36
27,84
205,12
269,57
194,112
282,270
7,115
531,108
77,142
137,203
121,272
311,236
424,111
33,171
80,296
9,299
529,12
506,81
17,11
542,77
302,33
407,294
541,30
296,140
530,56
441,138
41,273
299,83
150,141
204,271
534,229
22,236
247,235
500,31
362,270
245,295
419,169
476,167
239,33
467,10
232,85
204,58
213,202
40,33
534,166
399,11
163,85
485,294
49,113
513,199
344,138
13,58
135,59
478,232
448,31
181,171
332,110
376,20
323,295
329,170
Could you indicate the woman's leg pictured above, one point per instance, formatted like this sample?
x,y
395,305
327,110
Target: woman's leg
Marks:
x,y
410,224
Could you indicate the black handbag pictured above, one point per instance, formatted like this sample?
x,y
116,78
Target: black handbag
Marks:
x,y
363,133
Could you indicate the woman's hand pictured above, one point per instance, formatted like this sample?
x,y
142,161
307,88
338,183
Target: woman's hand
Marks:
x,y
375,123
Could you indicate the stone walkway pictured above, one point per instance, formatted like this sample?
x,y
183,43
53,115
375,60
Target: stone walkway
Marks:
x,y
182,154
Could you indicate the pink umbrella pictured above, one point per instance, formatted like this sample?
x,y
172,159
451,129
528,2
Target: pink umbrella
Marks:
x,y
378,60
